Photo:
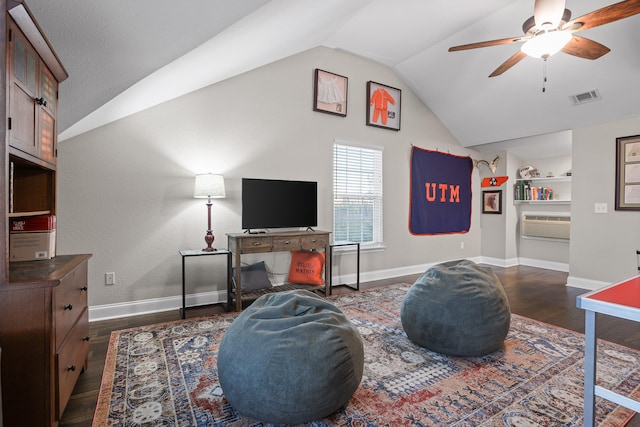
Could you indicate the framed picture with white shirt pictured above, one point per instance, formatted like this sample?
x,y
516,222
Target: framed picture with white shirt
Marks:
x,y
330,93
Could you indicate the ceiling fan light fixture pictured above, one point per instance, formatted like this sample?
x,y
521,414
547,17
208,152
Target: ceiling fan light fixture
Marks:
x,y
546,44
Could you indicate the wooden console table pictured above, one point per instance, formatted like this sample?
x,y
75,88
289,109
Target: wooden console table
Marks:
x,y
287,241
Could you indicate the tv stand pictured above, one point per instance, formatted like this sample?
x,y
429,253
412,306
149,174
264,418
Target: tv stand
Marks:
x,y
286,241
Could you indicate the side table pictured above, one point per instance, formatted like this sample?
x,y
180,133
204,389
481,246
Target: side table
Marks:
x,y
186,253
344,243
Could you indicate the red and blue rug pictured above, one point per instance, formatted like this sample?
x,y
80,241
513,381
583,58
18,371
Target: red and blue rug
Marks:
x,y
166,375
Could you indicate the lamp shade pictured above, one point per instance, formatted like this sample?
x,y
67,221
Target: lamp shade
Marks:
x,y
209,185
546,44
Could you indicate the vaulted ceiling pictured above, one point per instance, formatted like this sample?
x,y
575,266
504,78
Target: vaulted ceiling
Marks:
x,y
124,56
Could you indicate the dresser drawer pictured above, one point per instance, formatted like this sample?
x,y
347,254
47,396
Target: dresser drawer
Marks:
x,y
70,360
286,243
69,301
314,242
257,244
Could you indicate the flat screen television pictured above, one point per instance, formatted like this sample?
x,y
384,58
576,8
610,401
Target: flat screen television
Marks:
x,y
274,203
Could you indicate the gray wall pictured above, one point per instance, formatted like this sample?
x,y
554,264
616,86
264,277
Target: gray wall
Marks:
x,y
496,229
125,189
603,246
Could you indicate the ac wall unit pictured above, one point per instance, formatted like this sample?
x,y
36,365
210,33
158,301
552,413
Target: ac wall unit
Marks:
x,y
549,226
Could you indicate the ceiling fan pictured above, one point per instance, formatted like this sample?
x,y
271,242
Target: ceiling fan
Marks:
x,y
551,29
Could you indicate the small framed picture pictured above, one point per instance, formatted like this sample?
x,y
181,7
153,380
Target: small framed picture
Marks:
x,y
330,93
628,173
492,202
383,106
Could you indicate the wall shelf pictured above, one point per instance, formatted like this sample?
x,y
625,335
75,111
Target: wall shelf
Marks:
x,y
547,179
542,202
526,190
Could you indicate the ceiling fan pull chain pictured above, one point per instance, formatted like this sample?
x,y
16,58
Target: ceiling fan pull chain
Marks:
x,y
544,75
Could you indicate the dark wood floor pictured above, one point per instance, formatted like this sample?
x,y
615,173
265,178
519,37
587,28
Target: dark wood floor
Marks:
x,y
534,293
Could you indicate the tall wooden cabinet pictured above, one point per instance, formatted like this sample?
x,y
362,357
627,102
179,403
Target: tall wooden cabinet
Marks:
x,y
43,304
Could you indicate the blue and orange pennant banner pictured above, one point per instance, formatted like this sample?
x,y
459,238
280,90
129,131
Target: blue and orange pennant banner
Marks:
x,y
440,193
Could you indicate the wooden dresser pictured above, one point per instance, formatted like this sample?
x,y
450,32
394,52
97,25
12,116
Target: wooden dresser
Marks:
x,y
243,243
44,334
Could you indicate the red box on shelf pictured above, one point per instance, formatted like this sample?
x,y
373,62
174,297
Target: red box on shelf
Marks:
x,y
32,238
33,223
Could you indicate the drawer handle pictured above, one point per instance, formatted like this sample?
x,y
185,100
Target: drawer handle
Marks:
x,y
313,240
286,242
86,338
256,243
84,288
68,307
71,368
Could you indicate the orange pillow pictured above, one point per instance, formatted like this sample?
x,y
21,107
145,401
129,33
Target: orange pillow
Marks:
x,y
306,267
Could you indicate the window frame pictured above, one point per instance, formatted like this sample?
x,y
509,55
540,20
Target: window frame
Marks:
x,y
377,199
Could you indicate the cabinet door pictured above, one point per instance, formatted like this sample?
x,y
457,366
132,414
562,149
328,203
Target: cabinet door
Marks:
x,y
33,101
23,79
47,119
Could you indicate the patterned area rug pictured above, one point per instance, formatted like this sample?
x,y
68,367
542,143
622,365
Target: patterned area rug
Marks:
x,y
166,375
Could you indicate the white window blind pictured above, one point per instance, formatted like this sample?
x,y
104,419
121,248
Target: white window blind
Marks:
x,y
357,194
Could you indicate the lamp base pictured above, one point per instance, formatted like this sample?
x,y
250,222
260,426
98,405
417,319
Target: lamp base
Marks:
x,y
208,238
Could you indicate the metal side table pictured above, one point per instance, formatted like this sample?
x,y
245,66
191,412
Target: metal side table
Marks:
x,y
186,253
339,244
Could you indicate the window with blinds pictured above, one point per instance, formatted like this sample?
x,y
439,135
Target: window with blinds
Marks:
x,y
357,194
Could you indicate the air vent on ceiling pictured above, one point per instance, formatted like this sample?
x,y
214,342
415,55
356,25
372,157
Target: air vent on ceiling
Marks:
x,y
583,98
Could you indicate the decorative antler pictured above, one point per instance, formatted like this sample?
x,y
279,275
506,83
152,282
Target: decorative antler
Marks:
x,y
493,165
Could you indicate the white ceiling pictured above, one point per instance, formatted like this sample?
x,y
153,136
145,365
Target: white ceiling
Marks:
x,y
124,56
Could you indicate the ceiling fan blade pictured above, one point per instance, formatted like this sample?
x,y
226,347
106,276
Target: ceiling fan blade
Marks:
x,y
517,57
585,48
487,43
548,13
612,13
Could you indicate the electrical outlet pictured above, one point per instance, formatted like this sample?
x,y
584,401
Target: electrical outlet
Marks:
x,y
461,245
600,208
109,278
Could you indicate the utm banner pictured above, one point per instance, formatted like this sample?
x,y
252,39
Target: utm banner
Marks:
x,y
440,193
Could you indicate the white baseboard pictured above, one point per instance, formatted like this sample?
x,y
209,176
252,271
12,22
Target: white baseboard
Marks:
x,y
588,284
498,262
155,305
548,265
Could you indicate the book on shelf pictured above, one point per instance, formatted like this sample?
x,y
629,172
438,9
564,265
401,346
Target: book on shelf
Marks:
x,y
32,223
524,191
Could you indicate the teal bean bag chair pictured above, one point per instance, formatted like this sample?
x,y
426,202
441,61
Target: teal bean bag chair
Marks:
x,y
290,357
457,308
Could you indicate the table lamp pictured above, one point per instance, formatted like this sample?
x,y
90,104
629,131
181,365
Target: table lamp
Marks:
x,y
209,186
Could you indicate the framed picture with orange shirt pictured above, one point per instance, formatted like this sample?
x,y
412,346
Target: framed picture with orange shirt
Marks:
x,y
383,106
